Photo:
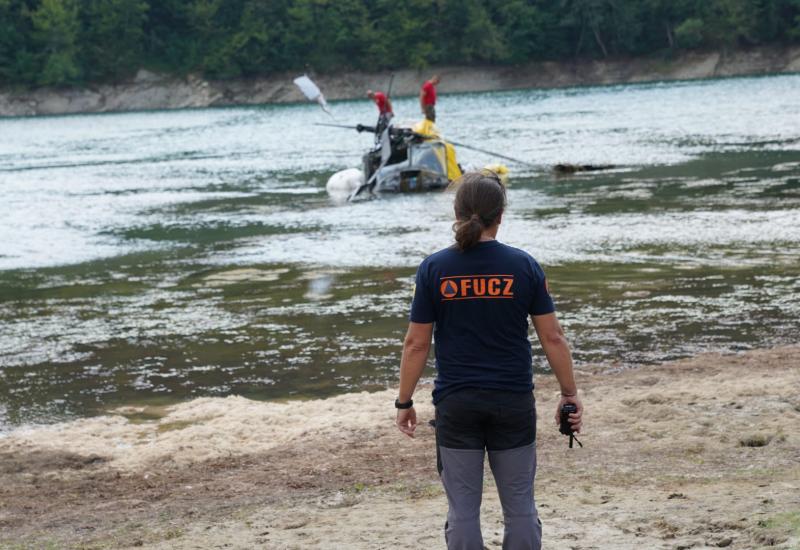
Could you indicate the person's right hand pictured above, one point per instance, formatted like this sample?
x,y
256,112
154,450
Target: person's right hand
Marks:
x,y
575,419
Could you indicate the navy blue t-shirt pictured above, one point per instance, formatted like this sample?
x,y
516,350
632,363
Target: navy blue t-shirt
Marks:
x,y
480,301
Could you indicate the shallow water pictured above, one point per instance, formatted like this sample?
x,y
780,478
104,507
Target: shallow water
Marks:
x,y
151,257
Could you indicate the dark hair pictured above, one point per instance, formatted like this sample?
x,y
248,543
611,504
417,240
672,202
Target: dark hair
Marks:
x,y
480,200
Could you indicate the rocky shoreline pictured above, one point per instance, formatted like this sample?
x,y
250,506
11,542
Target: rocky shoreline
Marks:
x,y
153,91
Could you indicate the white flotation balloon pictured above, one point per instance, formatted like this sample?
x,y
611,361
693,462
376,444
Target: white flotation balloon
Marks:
x,y
343,183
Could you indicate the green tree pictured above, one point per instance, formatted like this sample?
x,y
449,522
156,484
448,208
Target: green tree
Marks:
x,y
525,31
407,34
730,22
112,37
212,22
793,15
591,19
58,42
56,25
11,38
169,42
470,34
689,34
660,20
629,27
258,45
329,33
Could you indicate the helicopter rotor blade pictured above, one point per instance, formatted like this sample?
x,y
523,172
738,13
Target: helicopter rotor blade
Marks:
x,y
357,127
389,89
494,154
312,92
335,125
478,149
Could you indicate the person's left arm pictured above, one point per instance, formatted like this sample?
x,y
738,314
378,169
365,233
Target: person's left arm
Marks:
x,y
416,347
554,345
389,105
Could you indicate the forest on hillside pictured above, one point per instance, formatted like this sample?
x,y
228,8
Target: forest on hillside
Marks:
x,y
74,42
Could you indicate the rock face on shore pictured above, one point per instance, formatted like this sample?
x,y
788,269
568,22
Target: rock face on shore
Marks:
x,y
153,91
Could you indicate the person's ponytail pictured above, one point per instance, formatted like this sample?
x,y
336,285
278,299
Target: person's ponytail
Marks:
x,y
468,232
480,200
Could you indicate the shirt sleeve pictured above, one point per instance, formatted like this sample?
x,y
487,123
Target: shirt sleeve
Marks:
x,y
541,301
422,307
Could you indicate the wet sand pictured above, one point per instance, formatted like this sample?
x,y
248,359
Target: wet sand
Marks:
x,y
700,453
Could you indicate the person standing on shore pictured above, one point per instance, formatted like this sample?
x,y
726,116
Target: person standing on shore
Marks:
x,y
385,113
427,97
477,296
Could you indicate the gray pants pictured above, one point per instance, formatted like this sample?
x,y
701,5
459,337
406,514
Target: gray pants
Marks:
x,y
462,477
493,422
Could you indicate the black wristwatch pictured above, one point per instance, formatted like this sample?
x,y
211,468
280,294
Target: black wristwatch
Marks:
x,y
407,405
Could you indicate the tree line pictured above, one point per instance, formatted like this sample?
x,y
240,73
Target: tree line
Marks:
x,y
74,42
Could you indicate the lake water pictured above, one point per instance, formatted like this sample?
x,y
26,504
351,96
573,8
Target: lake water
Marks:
x,y
152,257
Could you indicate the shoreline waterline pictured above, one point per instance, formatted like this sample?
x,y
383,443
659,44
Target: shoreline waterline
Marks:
x,y
130,425
151,91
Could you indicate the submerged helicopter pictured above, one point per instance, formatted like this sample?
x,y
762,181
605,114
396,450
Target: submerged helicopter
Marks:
x,y
402,160
410,158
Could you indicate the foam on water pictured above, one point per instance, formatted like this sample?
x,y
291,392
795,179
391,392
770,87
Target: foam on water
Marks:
x,y
412,228
115,168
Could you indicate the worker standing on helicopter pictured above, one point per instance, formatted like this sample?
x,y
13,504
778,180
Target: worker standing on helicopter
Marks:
x,y
427,97
385,112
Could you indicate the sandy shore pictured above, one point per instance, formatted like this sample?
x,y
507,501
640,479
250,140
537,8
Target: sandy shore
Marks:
x,y
701,453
